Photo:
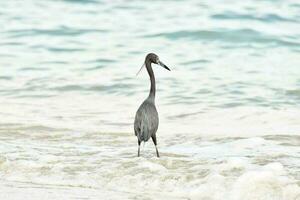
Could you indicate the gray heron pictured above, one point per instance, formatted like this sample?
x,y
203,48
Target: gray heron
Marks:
x,y
146,118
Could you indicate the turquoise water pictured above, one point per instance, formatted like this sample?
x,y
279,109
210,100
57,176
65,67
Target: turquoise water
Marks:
x,y
69,93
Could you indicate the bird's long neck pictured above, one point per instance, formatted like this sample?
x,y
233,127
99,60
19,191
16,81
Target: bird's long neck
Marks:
x,y
152,80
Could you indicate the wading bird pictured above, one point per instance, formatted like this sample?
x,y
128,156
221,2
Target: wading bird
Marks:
x,y
146,118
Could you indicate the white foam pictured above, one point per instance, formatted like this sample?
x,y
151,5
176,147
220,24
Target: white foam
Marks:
x,y
147,165
266,183
2,160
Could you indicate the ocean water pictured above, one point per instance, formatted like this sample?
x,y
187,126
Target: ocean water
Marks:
x,y
229,108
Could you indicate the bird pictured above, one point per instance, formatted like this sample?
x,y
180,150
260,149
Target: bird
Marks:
x,y
146,119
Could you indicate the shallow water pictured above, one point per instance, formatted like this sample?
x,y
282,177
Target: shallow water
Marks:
x,y
229,109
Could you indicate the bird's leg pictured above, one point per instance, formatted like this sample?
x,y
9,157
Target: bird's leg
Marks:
x,y
139,143
154,141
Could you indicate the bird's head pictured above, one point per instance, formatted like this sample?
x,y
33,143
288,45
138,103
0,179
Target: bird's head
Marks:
x,y
153,58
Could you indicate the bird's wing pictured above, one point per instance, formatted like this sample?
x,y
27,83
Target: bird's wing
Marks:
x,y
137,122
146,121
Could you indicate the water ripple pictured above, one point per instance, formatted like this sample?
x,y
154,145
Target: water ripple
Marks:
x,y
192,62
294,93
227,36
5,78
100,60
264,18
82,1
112,88
34,69
60,31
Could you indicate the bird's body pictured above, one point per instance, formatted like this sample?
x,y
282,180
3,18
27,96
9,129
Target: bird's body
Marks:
x,y
146,118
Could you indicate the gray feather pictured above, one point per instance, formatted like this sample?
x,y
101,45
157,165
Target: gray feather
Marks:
x,y
146,120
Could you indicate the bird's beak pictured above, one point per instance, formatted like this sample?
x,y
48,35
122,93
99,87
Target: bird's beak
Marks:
x,y
163,65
